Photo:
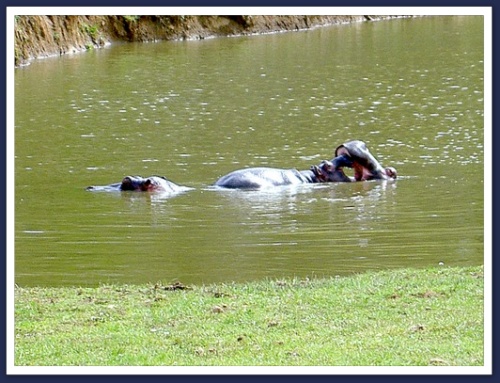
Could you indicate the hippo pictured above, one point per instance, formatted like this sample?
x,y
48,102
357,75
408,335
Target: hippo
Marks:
x,y
353,154
261,177
365,165
138,183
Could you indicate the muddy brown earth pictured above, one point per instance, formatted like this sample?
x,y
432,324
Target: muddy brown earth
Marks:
x,y
44,36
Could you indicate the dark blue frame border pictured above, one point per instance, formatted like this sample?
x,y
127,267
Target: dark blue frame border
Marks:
x,y
260,3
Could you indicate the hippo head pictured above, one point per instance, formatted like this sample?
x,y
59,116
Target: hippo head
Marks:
x,y
137,183
332,171
365,165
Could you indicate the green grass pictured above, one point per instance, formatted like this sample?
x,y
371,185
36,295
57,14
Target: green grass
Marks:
x,y
390,318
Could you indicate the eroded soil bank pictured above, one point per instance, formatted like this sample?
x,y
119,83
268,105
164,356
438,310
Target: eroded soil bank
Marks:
x,y
44,36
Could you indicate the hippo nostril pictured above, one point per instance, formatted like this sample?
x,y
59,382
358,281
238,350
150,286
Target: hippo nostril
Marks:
x,y
391,172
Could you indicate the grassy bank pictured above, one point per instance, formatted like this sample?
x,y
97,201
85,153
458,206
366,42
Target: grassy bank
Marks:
x,y
400,317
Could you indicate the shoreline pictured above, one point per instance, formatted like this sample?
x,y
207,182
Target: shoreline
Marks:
x,y
38,37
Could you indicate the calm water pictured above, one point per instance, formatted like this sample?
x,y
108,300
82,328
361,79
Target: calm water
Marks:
x,y
193,111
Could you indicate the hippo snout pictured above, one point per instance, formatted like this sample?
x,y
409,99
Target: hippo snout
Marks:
x,y
332,171
391,172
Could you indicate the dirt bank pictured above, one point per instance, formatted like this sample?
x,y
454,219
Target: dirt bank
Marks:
x,y
43,36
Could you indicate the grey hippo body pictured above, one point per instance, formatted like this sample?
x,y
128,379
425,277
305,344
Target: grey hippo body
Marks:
x,y
352,154
263,177
138,183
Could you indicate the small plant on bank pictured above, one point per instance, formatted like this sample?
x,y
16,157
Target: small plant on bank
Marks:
x,y
91,30
131,19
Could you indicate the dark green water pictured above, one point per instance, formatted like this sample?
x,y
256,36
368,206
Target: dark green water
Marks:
x,y
193,111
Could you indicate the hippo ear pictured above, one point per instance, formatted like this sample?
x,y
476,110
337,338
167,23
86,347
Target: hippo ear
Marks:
x,y
327,165
315,170
145,185
318,173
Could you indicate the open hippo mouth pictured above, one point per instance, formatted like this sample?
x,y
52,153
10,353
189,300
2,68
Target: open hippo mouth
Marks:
x,y
365,165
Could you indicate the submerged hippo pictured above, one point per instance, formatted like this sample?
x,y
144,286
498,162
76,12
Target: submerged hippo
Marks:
x,y
260,177
137,183
365,165
352,154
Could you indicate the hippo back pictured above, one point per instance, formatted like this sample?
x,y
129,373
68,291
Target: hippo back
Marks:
x,y
260,177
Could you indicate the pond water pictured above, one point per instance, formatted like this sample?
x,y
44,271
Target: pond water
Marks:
x,y
412,89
